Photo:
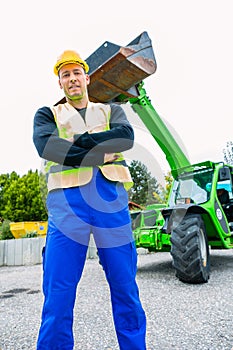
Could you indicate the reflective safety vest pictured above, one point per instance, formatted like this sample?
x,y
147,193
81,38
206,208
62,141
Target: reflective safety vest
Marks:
x,y
70,122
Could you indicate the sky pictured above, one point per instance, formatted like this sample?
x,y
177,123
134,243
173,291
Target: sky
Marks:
x,y
191,89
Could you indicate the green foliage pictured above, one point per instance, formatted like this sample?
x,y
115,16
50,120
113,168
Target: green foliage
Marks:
x,y
146,189
30,234
21,197
5,232
169,181
5,180
228,153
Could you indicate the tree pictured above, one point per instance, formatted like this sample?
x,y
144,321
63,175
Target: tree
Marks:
x,y
228,153
168,184
146,189
5,180
21,198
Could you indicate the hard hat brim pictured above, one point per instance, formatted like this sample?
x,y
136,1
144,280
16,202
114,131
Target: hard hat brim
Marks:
x,y
81,63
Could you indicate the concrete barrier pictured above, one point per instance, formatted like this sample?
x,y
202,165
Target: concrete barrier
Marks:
x,y
27,251
22,251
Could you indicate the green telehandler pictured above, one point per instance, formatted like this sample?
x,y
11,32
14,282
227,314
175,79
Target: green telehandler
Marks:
x,y
199,211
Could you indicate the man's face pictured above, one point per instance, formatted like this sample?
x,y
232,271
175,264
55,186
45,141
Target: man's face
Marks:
x,y
73,81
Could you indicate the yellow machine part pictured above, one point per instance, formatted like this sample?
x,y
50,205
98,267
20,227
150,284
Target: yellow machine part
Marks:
x,y
21,229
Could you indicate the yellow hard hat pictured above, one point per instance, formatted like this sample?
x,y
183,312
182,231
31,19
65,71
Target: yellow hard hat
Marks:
x,y
69,56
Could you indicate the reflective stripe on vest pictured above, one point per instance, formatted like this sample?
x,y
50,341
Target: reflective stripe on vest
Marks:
x,y
70,122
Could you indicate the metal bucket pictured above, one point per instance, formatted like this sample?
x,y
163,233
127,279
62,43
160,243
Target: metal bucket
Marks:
x,y
115,70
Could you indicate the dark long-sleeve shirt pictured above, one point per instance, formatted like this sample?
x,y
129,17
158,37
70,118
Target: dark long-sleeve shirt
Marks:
x,y
87,149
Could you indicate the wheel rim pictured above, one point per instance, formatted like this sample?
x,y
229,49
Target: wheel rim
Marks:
x,y
203,248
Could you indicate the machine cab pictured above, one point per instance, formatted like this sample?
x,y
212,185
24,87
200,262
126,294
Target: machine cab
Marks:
x,y
224,191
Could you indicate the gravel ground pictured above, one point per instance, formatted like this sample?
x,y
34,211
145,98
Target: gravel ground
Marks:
x,y
179,316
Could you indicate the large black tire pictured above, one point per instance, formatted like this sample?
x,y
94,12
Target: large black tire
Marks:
x,y
190,250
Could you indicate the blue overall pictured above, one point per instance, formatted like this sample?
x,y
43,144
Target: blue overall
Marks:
x,y
100,208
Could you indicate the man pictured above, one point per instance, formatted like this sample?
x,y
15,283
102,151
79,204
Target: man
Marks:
x,y
87,178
